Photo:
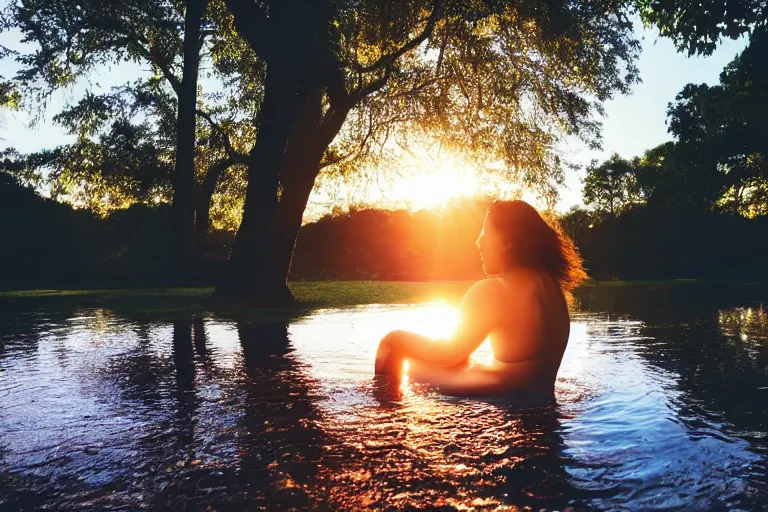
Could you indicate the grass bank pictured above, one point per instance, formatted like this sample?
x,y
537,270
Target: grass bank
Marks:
x,y
310,295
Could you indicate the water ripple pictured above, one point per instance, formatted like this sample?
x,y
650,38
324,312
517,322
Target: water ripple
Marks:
x,y
104,412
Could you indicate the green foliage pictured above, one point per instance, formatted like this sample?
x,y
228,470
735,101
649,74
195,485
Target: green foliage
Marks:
x,y
10,97
126,138
723,131
612,187
393,245
499,81
495,81
44,241
57,246
697,26
718,160
652,242
51,244
70,38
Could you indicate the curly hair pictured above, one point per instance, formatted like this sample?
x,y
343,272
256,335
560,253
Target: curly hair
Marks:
x,y
537,242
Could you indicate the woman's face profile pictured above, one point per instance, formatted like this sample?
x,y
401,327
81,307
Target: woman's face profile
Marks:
x,y
492,249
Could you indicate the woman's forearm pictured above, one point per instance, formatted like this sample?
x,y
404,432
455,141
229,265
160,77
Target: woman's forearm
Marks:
x,y
410,345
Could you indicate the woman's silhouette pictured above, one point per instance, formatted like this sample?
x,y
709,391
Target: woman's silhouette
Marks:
x,y
522,307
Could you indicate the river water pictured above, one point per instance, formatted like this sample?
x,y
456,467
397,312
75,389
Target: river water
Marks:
x,y
662,404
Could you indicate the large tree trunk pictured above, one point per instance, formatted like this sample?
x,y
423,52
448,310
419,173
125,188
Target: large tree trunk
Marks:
x,y
293,135
249,274
265,284
183,249
312,137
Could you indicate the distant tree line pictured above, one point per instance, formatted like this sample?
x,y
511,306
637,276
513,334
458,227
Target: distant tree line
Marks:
x,y
696,206
718,160
59,246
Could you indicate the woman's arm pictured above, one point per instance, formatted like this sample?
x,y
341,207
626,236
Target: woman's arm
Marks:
x,y
473,327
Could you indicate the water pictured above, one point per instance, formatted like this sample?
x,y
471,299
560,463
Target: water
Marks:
x,y
661,404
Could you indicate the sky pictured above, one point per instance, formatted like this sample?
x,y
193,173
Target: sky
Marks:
x,y
637,122
632,123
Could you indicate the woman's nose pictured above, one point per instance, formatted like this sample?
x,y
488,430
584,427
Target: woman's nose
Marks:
x,y
479,241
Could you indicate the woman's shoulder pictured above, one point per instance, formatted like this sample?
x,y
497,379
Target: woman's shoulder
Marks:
x,y
486,285
518,283
489,291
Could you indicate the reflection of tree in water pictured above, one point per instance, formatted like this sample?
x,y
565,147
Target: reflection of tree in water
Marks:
x,y
278,444
275,443
724,374
187,400
141,385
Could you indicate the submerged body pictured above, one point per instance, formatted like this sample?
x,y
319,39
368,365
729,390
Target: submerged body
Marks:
x,y
522,309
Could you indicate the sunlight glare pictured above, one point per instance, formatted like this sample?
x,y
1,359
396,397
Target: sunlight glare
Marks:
x,y
437,320
431,189
422,177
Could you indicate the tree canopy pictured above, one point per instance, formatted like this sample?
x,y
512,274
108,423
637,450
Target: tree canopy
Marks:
x,y
697,27
718,158
611,187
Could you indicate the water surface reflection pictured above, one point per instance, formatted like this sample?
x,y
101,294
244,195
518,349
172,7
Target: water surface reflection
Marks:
x,y
104,411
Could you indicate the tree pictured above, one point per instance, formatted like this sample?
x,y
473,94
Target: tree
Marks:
x,y
611,187
674,174
498,79
575,221
696,27
723,128
124,154
73,37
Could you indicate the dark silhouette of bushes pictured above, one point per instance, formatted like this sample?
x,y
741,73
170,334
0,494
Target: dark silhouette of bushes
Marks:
x,y
47,244
649,243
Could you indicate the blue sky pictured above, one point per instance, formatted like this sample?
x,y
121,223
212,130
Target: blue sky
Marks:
x,y
637,122
632,123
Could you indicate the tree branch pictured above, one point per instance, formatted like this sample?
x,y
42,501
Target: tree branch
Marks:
x,y
326,162
145,48
168,74
236,155
388,60
372,87
214,172
204,34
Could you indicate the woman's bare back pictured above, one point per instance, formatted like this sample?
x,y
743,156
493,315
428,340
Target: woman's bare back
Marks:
x,y
531,326
525,315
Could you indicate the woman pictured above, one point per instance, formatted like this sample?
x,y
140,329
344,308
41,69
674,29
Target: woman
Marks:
x,y
522,306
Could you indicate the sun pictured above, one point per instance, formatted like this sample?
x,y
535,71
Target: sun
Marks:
x,y
421,178
429,187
